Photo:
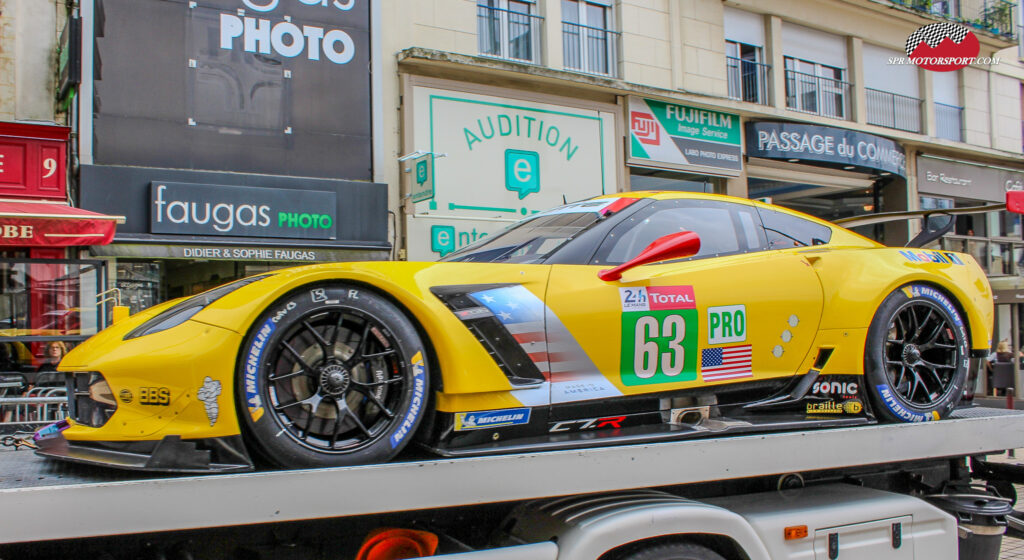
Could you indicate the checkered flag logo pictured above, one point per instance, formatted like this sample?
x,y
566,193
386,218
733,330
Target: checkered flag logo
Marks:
x,y
933,34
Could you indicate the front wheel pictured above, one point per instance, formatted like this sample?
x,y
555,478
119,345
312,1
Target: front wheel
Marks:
x,y
332,375
916,355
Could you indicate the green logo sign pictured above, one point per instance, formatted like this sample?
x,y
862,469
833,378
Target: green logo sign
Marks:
x,y
442,239
423,168
522,172
421,172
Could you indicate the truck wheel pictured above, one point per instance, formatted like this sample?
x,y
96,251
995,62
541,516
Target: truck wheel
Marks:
x,y
916,355
330,376
672,551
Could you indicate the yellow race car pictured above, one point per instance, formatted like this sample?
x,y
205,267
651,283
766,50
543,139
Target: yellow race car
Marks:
x,y
627,318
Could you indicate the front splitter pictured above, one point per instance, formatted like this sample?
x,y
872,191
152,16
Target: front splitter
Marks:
x,y
168,455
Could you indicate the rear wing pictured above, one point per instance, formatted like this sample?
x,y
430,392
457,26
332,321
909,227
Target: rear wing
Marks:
x,y
934,229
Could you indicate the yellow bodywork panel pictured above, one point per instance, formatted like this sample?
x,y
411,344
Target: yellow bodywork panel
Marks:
x,y
155,379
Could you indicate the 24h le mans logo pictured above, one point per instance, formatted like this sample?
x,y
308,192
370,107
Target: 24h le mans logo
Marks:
x,y
942,47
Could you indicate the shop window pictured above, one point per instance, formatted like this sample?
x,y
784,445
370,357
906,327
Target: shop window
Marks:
x,y
785,231
46,307
139,283
724,229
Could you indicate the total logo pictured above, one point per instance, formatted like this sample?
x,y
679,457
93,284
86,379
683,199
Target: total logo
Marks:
x,y
608,422
657,298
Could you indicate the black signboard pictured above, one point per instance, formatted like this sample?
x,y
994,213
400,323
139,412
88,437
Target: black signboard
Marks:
x,y
198,209
261,86
358,210
825,144
69,59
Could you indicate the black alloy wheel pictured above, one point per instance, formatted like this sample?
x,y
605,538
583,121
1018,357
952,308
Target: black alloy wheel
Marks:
x,y
916,355
341,379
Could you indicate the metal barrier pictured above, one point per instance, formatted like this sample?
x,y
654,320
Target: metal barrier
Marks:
x,y
38,406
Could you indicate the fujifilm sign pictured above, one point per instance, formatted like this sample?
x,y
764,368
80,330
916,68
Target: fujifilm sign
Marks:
x,y
195,209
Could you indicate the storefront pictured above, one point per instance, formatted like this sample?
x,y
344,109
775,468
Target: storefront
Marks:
x,y
498,155
49,299
253,148
994,239
682,148
827,172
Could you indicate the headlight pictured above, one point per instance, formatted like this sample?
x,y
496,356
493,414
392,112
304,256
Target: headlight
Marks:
x,y
185,310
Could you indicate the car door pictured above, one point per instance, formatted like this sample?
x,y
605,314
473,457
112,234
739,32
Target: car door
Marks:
x,y
737,311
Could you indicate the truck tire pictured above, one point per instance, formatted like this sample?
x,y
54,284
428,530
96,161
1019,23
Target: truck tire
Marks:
x,y
331,375
672,551
916,357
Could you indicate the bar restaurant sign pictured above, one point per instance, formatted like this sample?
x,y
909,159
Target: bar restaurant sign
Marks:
x,y
198,209
678,136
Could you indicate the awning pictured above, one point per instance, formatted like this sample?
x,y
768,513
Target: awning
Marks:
x,y
52,224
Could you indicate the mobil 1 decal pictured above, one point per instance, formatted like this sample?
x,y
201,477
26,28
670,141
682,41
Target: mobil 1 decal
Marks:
x,y
659,335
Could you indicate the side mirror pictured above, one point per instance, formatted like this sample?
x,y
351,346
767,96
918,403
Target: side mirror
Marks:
x,y
672,246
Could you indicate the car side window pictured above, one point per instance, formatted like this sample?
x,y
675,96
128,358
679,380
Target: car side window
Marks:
x,y
785,231
724,228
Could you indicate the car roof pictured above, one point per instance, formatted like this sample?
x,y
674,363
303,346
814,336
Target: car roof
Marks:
x,y
669,195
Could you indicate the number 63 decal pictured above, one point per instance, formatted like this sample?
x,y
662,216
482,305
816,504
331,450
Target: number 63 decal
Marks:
x,y
658,346
648,355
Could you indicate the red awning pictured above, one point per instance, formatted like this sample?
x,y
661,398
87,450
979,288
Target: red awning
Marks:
x,y
52,224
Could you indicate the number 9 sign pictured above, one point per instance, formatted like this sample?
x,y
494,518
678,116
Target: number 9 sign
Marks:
x,y
50,167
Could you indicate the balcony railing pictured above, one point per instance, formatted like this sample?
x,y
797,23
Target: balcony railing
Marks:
x,y
808,93
949,122
748,80
997,17
994,16
590,49
893,110
508,34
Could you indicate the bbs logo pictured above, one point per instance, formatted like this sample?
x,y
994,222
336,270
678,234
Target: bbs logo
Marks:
x,y
835,388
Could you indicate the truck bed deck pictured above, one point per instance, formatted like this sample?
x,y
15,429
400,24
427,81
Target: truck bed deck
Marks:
x,y
50,500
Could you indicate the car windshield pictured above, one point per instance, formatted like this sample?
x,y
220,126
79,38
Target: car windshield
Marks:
x,y
529,241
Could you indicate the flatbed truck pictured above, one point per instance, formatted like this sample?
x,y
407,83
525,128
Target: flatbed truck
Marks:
x,y
843,493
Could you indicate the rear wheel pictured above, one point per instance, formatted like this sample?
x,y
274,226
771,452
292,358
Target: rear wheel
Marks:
x,y
672,551
916,355
332,375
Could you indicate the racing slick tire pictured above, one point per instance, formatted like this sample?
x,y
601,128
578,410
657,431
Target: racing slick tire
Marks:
x,y
916,357
671,551
331,375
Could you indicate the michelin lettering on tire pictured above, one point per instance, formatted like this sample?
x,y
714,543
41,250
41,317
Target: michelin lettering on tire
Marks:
x,y
419,383
899,410
252,368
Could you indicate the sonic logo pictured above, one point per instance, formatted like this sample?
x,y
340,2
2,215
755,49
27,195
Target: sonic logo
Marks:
x,y
645,128
942,47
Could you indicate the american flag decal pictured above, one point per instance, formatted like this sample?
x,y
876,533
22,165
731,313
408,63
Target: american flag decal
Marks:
x,y
730,362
